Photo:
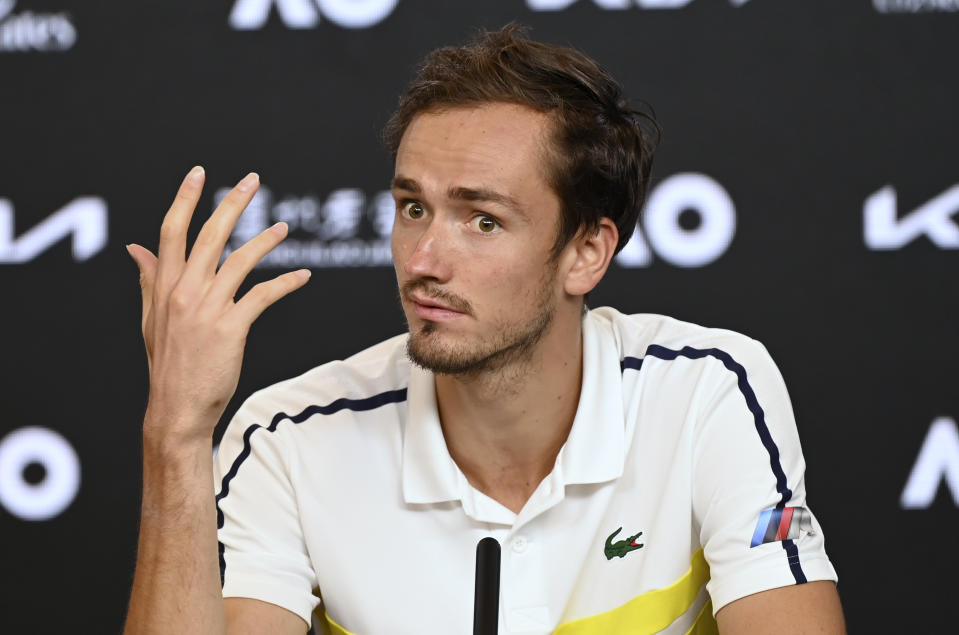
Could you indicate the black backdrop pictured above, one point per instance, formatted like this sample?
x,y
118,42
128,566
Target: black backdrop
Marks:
x,y
802,196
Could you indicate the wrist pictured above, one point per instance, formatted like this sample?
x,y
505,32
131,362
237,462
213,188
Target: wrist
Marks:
x,y
172,434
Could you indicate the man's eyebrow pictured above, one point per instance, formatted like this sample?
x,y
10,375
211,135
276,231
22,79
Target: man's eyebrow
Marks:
x,y
405,183
475,194
483,194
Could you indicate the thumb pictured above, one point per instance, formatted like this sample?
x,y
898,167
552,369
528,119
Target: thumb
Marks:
x,y
147,264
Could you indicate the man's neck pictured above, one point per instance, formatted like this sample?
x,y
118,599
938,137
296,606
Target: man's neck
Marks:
x,y
505,428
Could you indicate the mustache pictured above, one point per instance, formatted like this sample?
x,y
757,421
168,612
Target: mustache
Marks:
x,y
433,292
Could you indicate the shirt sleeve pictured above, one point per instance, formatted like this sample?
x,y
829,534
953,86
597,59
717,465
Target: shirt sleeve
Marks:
x,y
262,551
749,495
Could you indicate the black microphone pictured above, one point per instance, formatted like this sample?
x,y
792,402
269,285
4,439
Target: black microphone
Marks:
x,y
486,598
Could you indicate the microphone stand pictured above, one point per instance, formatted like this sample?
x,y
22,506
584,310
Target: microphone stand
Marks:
x,y
486,597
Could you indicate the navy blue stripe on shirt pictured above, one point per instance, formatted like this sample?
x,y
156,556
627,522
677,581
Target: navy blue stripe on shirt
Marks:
x,y
356,405
759,419
220,548
792,554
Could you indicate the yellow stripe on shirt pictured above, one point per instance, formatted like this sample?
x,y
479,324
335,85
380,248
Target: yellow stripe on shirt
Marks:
x,y
645,614
705,623
332,628
653,611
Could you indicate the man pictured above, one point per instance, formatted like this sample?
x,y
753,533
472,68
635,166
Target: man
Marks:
x,y
641,473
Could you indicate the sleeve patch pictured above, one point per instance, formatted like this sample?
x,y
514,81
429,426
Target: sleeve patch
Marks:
x,y
788,523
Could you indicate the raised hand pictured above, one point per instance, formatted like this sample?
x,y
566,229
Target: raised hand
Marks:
x,y
195,333
194,330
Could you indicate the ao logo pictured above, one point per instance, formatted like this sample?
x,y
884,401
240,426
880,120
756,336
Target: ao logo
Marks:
x,y
84,218
934,218
615,5
914,6
305,14
938,460
29,31
53,456
681,194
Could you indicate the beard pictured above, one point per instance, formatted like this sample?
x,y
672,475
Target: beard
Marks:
x,y
508,343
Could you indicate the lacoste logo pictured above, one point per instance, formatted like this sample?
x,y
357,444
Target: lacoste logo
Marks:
x,y
621,547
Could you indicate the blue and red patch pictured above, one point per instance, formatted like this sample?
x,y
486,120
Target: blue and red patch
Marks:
x,y
787,523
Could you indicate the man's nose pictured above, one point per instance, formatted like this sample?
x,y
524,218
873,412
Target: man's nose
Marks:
x,y
432,255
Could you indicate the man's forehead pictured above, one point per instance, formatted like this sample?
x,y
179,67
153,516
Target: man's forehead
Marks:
x,y
489,123
509,109
475,146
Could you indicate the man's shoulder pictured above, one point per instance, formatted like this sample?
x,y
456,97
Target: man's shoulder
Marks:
x,y
641,334
379,370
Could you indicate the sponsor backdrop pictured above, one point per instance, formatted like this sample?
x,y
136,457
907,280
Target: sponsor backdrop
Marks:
x,y
806,193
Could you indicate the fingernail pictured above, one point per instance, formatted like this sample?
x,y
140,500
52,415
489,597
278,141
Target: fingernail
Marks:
x,y
279,228
304,273
130,251
248,182
196,174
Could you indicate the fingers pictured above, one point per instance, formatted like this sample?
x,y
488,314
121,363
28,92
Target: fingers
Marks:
x,y
147,264
197,276
242,261
172,250
206,252
260,297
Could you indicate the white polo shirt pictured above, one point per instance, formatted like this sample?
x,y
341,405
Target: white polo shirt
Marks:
x,y
339,483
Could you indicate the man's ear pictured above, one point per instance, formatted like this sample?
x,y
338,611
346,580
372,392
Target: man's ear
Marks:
x,y
590,253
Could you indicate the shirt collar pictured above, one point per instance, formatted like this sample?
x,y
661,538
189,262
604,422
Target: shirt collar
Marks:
x,y
429,473
594,452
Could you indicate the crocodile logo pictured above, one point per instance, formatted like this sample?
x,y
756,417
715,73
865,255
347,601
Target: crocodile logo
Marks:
x,y
620,548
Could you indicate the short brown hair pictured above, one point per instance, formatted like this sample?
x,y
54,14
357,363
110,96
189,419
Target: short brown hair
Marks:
x,y
602,149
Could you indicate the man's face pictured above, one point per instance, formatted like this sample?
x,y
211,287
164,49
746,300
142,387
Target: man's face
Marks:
x,y
472,239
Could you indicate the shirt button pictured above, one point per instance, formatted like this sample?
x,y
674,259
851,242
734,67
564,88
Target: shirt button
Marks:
x,y
519,544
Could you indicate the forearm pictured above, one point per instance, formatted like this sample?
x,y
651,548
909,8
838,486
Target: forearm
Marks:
x,y
176,588
194,332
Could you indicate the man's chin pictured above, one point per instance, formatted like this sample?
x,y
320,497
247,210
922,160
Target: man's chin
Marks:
x,y
436,347
427,348
426,352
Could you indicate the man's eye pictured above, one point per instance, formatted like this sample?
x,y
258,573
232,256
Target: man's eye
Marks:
x,y
414,210
486,224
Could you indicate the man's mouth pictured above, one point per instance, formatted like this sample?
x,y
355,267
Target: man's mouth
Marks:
x,y
430,302
433,310
436,306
